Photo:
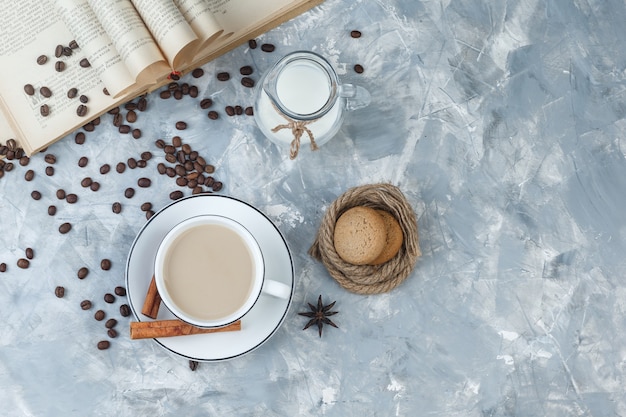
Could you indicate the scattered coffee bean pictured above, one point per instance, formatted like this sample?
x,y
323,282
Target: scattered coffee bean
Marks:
x,y
247,82
213,115
44,110
205,103
99,315
42,59
84,63
136,133
30,253
146,156
59,66
85,304
67,51
52,210
45,91
120,167
116,207
71,198
131,116
230,110
358,68
246,70
89,127
217,186
11,144
82,272
105,264
123,129
83,99
61,194
79,138
238,110
193,91
81,110
149,214
59,292
104,169
103,345
29,175
146,206
95,186
110,323
131,163
109,298
142,104
121,291
193,365
23,263
125,310
144,182
175,195
86,182
165,94
65,228
83,161
249,111
73,44
252,44
268,47
58,51
29,89
105,91
49,171
223,76
112,333
72,92
50,158
181,125
355,34
129,192
197,73
36,195
3,267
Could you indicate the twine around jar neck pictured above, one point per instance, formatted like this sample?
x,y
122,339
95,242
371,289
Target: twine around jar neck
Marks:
x,y
298,128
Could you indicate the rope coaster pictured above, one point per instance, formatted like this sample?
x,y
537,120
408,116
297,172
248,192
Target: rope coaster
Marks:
x,y
369,279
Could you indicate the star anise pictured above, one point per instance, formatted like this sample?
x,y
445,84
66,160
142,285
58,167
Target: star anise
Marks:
x,y
319,315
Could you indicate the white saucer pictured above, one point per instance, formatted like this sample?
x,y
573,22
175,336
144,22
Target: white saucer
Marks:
x,y
262,320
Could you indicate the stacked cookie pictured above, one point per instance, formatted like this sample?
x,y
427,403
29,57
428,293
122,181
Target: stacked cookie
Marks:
x,y
367,236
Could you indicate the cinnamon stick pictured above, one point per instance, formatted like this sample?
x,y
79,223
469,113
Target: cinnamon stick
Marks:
x,y
171,328
152,302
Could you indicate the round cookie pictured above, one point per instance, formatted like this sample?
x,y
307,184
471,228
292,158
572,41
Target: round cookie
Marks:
x,y
360,235
394,238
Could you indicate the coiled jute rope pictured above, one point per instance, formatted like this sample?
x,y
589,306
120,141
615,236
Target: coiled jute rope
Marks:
x,y
369,279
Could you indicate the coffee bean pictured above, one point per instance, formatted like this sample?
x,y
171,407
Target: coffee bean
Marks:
x,y
112,333
146,206
230,110
165,94
83,99
118,119
29,175
105,91
181,125
71,198
67,51
358,68
116,207
196,190
205,103
83,161
86,182
89,127
11,144
197,73
59,66
146,156
79,139
72,92
3,267
42,59
123,129
44,110
144,182
249,111
161,168
30,253
131,163
59,292
238,110
131,116
103,344
84,63
193,365
142,104
193,91
109,298
49,171
149,214
252,44
85,304
247,82
125,310
81,110
65,228
95,186
104,169
170,158
45,91
268,47
29,89
136,133
121,291
110,323
8,166
129,192
82,272
23,263
36,195
223,76
105,264
50,158
120,167
355,34
217,186
159,143
61,194
213,115
52,210
175,195
209,169
58,51
99,315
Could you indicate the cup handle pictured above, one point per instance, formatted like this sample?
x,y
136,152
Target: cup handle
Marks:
x,y
276,289
356,96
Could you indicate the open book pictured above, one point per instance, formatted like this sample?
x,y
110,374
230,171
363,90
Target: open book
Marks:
x,y
109,52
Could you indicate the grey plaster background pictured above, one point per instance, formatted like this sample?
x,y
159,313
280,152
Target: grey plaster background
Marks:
x,y
503,123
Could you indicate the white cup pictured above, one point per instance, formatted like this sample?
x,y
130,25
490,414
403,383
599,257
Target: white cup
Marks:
x,y
209,271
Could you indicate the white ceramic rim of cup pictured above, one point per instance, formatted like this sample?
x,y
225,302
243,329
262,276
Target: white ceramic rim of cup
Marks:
x,y
252,244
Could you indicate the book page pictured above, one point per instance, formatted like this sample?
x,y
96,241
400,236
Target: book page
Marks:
x,y
6,131
237,15
199,16
97,45
172,33
24,40
131,39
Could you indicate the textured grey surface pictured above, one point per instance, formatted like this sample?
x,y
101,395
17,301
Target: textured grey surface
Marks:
x,y
502,122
